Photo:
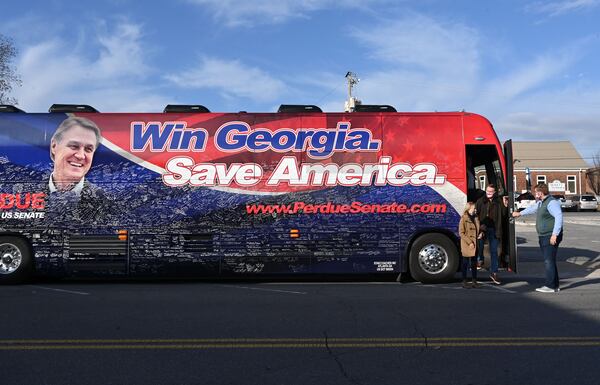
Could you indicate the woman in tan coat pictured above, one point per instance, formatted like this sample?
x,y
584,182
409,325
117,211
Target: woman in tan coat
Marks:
x,y
469,231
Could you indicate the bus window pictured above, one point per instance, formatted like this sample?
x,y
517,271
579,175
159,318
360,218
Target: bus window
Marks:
x,y
498,177
483,165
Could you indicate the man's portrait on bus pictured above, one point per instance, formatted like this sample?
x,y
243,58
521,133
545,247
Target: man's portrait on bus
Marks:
x,y
72,149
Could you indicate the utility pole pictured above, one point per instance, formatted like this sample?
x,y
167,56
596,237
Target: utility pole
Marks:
x,y
352,102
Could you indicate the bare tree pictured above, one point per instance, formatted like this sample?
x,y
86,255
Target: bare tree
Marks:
x,y
8,77
593,174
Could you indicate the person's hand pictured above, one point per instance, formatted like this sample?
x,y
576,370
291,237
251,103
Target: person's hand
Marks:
x,y
553,240
505,201
516,214
472,246
480,236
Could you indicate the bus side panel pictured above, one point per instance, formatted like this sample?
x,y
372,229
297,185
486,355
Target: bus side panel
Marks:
x,y
432,140
25,166
231,228
260,228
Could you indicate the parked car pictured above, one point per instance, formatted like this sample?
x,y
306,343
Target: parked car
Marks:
x,y
585,202
566,203
524,200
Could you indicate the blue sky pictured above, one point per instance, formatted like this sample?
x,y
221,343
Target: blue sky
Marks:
x,y
531,67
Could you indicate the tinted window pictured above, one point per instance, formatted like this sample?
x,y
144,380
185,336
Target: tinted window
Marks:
x,y
526,196
485,165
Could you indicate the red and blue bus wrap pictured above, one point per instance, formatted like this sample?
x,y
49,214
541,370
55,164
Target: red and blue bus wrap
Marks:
x,y
251,193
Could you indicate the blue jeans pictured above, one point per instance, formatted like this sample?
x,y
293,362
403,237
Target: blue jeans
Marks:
x,y
490,235
549,252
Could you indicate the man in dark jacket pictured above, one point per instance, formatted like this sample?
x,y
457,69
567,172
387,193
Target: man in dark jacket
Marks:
x,y
89,206
492,212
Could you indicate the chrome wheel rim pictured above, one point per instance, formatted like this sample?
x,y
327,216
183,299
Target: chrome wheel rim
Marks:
x,y
433,258
10,258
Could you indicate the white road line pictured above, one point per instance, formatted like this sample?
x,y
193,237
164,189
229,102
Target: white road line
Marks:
x,y
582,223
593,265
60,290
483,286
261,289
498,288
578,260
443,287
594,274
515,285
330,283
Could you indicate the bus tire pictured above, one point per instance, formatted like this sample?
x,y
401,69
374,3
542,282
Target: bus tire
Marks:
x,y
16,262
433,258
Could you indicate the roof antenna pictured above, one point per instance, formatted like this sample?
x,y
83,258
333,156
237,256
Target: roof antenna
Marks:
x,y
352,102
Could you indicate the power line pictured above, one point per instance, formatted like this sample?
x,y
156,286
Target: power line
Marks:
x,y
330,92
581,157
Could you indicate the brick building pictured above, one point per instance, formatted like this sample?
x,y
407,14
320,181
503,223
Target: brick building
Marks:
x,y
556,163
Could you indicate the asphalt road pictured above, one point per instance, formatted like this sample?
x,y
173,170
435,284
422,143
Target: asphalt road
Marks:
x,y
314,332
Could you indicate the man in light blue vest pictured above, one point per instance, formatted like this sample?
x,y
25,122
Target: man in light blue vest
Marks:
x,y
549,228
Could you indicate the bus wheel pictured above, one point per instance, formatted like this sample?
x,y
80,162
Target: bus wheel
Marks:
x,y
16,263
433,259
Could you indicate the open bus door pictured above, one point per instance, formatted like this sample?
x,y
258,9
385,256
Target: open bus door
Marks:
x,y
483,163
512,239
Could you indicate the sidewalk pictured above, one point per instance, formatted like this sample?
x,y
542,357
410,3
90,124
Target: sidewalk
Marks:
x,y
584,221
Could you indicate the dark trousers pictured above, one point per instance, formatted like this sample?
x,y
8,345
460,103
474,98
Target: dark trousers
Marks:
x,y
549,252
490,235
466,261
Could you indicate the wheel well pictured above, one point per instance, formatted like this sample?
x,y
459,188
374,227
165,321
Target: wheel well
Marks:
x,y
453,238
24,238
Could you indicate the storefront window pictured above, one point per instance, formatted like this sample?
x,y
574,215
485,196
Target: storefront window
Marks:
x,y
571,184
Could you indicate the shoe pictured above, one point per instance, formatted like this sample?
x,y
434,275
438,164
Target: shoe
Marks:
x,y
546,289
479,265
494,278
466,284
475,284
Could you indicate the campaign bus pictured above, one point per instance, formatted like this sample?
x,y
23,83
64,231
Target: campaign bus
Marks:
x,y
193,193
